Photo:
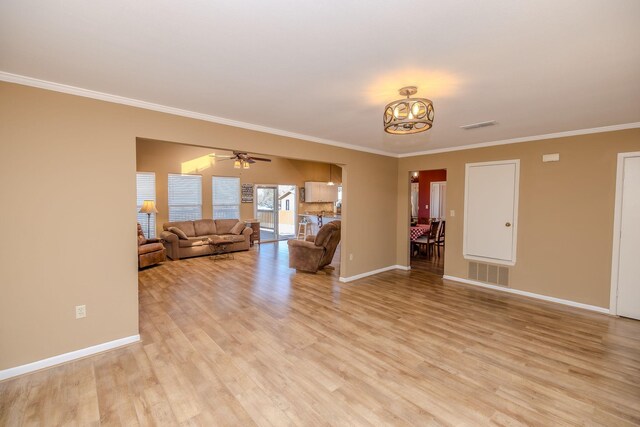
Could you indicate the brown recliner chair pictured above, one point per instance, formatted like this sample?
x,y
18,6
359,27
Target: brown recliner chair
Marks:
x,y
316,252
150,251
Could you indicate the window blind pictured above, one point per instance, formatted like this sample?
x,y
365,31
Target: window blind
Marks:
x,y
146,190
225,197
185,197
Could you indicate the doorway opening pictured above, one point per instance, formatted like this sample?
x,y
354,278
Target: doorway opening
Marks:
x,y
428,220
276,211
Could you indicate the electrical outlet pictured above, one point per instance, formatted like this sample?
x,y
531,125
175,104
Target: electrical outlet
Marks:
x,y
350,257
81,311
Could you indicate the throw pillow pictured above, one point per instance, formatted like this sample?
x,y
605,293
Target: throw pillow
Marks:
x,y
237,229
178,232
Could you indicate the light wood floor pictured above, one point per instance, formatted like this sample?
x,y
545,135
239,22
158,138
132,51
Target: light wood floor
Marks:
x,y
250,342
432,264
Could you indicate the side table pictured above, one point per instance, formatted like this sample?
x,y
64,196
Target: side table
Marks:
x,y
254,224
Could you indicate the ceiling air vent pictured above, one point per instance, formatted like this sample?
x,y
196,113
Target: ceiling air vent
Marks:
x,y
479,125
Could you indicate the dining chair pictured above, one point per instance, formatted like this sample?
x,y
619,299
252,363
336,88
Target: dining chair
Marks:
x,y
439,240
421,243
431,237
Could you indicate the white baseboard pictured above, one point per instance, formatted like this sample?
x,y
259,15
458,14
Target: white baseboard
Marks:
x,y
66,357
372,272
529,294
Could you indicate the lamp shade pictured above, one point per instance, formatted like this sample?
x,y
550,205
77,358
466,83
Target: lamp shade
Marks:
x,y
148,206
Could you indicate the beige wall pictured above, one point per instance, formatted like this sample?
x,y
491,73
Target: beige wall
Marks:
x,y
164,158
68,212
565,212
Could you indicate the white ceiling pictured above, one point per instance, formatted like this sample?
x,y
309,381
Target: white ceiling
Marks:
x,y
326,69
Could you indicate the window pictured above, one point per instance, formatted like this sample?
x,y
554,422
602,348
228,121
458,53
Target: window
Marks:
x,y
225,197
438,200
185,197
146,190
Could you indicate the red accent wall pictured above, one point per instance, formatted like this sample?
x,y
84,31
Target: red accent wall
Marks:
x,y
425,178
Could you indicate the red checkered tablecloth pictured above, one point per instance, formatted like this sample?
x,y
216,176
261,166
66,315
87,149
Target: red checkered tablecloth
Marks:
x,y
418,230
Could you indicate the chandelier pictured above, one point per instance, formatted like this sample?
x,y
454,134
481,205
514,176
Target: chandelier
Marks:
x,y
410,115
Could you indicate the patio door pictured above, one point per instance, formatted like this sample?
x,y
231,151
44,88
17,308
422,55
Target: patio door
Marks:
x,y
276,209
287,211
267,212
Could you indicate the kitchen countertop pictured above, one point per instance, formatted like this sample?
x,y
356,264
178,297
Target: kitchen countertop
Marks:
x,y
326,214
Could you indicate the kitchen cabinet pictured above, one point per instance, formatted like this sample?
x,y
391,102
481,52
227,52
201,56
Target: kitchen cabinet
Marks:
x,y
320,192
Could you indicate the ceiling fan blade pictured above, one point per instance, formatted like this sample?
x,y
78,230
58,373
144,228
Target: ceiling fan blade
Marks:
x,y
249,160
261,159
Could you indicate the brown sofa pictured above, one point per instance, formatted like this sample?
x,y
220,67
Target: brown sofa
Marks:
x,y
316,252
150,251
196,233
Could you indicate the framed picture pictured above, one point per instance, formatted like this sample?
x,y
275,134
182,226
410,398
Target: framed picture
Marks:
x,y
246,194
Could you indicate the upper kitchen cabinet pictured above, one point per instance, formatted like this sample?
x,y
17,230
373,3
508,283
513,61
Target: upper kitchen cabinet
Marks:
x,y
320,192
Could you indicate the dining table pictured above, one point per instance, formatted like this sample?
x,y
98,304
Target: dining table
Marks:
x,y
418,230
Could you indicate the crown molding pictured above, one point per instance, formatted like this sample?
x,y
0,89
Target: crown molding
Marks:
x,y
525,139
87,93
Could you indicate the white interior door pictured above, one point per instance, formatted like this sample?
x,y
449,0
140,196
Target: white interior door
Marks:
x,y
628,295
490,211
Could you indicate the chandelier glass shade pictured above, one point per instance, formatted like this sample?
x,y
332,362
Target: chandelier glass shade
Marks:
x,y
410,115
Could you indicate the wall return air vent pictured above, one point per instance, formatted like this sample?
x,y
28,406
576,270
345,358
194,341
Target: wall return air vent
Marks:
x,y
479,125
488,273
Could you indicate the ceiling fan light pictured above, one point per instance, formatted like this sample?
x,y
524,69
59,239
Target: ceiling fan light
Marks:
x,y
245,165
237,164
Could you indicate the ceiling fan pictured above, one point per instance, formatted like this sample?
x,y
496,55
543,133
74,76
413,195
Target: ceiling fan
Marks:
x,y
241,159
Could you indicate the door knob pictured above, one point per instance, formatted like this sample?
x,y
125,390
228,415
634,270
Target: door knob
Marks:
x,y
508,224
